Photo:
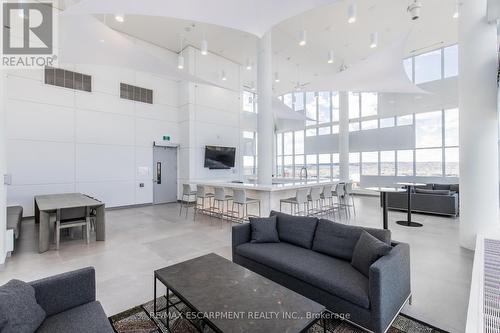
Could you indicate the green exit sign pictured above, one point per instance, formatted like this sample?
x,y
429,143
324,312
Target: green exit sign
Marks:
x,y
166,138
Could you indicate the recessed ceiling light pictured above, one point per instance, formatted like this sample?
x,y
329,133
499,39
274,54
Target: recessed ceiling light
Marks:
x,y
120,18
374,40
303,38
223,76
180,61
204,47
351,13
331,57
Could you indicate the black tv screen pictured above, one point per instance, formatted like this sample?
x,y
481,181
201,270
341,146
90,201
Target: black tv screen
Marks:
x,y
219,157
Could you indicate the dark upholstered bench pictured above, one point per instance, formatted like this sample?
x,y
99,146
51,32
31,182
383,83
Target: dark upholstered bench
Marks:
x,y
14,217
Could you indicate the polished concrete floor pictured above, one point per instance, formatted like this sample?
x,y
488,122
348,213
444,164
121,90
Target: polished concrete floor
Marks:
x,y
140,240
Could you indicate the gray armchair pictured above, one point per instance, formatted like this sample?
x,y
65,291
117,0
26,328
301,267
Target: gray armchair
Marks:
x,y
69,301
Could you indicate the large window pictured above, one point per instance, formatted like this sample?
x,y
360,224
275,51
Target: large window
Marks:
x,y
249,149
434,65
428,129
324,108
249,101
388,163
354,166
405,163
369,163
429,162
428,67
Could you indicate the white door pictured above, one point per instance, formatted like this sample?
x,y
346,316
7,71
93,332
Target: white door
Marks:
x,y
165,175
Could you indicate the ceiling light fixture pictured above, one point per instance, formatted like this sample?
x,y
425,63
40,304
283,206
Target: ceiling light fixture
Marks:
x,y
456,14
331,57
351,13
248,65
180,62
373,40
204,47
277,77
120,18
414,10
303,38
223,75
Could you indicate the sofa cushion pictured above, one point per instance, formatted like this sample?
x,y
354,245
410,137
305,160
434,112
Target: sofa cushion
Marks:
x,y
442,187
19,311
338,240
264,230
332,275
368,250
434,192
297,230
87,318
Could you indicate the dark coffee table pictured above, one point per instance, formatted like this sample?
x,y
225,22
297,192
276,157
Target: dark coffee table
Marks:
x,y
235,298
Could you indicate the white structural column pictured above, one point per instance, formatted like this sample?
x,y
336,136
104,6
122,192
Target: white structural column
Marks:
x,y
3,168
478,61
265,118
344,136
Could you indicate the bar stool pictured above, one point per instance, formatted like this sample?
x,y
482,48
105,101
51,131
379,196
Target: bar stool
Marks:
x,y
340,194
314,202
295,202
187,194
221,199
327,197
201,195
241,200
349,199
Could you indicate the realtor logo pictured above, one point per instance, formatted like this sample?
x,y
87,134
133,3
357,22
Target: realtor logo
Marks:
x,y
28,34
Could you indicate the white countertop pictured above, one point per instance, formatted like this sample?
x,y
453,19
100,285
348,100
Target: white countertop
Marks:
x,y
291,185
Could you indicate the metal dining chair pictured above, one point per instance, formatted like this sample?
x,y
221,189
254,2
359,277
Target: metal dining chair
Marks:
x,y
295,202
340,194
187,195
67,218
349,198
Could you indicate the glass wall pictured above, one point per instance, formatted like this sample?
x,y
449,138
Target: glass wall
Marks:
x,y
434,65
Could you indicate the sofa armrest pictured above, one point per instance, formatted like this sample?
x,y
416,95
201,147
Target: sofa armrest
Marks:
x,y
62,292
241,234
389,285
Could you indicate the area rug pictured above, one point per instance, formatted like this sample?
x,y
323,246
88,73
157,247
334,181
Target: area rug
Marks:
x,y
138,320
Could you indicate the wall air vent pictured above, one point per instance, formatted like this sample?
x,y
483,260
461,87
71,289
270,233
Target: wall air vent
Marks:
x,y
137,94
67,79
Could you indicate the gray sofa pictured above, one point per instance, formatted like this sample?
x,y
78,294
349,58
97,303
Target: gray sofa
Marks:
x,y
69,301
14,218
371,302
440,199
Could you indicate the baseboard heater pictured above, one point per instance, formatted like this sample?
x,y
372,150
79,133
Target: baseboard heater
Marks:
x,y
483,314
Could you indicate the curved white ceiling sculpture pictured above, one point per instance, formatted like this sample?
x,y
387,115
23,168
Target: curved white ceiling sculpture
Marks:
x,y
381,72
101,45
252,16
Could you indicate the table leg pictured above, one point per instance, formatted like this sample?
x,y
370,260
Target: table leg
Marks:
x,y
408,222
43,232
168,309
384,210
154,296
100,223
37,213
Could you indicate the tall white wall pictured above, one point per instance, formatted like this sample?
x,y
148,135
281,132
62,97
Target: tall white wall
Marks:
x,y
63,140
209,116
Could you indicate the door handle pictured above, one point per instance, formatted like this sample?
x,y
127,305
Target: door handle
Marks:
x,y
158,172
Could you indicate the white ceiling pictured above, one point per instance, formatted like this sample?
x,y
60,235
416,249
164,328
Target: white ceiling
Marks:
x,y
327,28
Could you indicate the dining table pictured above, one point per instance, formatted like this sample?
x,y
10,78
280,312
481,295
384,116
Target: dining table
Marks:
x,y
383,196
408,222
46,205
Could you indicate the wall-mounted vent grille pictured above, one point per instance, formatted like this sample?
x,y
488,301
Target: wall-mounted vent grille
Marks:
x,y
67,79
491,281
137,94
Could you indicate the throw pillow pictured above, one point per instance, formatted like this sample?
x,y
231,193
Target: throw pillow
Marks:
x,y
296,230
264,230
19,311
368,250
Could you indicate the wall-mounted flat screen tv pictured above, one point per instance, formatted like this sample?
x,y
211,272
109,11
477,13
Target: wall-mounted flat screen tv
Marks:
x,y
219,157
